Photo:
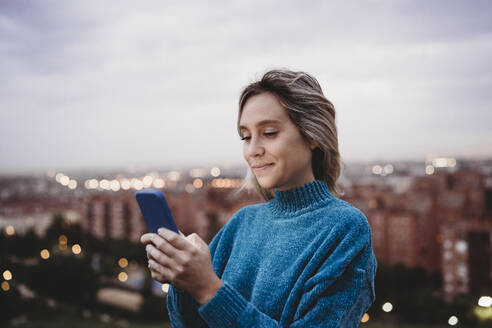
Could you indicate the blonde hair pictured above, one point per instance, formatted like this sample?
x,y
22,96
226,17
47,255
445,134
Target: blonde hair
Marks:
x,y
301,96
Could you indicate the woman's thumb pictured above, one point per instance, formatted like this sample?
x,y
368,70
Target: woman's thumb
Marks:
x,y
197,241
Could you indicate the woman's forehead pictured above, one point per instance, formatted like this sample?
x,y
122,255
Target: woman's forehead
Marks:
x,y
262,109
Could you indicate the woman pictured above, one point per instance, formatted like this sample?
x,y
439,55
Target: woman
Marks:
x,y
304,257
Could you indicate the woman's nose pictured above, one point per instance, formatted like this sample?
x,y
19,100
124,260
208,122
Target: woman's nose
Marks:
x,y
256,147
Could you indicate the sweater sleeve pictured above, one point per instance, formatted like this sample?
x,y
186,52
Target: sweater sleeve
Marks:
x,y
181,306
337,293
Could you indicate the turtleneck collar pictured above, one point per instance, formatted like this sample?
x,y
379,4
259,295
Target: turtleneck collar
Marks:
x,y
307,196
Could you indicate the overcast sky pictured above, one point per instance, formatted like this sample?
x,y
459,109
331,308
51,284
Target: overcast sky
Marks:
x,y
89,84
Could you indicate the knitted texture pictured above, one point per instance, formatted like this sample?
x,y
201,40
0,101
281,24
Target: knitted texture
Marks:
x,y
302,259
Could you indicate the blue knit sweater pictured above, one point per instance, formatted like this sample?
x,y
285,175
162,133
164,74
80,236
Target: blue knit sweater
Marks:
x,y
302,259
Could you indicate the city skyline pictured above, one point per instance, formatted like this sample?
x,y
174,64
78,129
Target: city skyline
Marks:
x,y
87,85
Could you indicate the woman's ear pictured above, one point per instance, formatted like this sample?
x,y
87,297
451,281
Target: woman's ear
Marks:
x,y
313,144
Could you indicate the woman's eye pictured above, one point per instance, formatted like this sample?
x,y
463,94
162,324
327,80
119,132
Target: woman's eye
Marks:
x,y
269,134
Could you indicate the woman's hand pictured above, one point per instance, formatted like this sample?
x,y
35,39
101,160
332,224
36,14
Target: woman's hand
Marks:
x,y
185,262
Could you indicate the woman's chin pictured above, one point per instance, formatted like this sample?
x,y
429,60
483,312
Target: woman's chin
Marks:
x,y
265,183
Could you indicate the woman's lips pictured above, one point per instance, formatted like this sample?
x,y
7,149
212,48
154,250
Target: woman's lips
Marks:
x,y
259,168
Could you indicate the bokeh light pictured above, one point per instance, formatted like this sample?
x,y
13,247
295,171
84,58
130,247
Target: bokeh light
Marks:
x,y
147,181
122,276
159,183
365,318
10,231
58,177
104,184
62,240
173,175
377,169
485,301
215,171
114,185
388,169
64,180
76,249
7,275
125,184
72,184
429,170
5,286
45,254
123,262
453,320
198,183
189,188
387,307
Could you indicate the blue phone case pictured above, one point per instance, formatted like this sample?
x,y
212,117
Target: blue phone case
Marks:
x,y
155,210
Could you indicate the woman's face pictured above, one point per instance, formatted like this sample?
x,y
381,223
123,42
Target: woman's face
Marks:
x,y
273,147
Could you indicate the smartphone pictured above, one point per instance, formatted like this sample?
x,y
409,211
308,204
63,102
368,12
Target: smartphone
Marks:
x,y
155,210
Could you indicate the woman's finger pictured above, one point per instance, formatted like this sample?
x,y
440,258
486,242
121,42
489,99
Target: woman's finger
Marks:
x,y
177,241
163,245
156,255
146,238
159,269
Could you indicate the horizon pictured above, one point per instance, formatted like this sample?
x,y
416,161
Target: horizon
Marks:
x,y
140,168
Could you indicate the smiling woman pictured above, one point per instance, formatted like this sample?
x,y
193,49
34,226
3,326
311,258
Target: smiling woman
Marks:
x,y
304,257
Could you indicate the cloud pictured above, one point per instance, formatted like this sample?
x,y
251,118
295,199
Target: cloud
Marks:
x,y
115,82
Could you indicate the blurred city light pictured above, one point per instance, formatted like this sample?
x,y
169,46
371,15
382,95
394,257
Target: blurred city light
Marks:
x,y
377,169
215,171
62,240
9,230
444,162
64,180
485,301
72,184
115,185
165,288
136,184
104,184
7,275
197,173
387,307
198,183
123,262
388,169
453,320
189,188
5,286
91,184
76,249
45,254
159,183
147,181
461,246
122,276
125,184
365,318
173,175
226,183
59,176
429,170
